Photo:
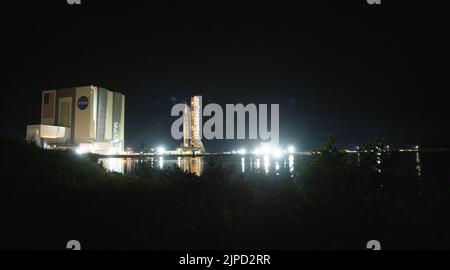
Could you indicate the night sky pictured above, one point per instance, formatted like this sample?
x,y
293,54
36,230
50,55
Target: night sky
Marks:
x,y
345,68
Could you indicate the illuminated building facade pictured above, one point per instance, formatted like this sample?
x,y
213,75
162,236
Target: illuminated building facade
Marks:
x,y
88,119
196,123
186,128
192,127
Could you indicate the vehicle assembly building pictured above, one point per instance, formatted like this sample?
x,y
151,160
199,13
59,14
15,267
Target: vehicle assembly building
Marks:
x,y
85,119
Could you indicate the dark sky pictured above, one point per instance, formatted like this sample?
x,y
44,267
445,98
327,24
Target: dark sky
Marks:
x,y
344,68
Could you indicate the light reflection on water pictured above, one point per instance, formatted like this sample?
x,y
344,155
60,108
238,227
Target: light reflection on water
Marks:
x,y
418,164
196,164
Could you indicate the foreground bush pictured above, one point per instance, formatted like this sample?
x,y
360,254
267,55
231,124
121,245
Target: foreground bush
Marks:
x,y
331,202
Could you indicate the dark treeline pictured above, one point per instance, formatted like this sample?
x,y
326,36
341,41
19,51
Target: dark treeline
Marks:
x,y
332,201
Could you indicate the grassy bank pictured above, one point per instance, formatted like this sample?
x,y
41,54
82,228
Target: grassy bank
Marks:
x,y
48,198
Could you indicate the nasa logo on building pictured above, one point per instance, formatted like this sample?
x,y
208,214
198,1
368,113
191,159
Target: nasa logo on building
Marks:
x,y
83,103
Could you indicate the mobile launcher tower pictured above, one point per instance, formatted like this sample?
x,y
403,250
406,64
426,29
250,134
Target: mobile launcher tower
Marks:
x,y
192,125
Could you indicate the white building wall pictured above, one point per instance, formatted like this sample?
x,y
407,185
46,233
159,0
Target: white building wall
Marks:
x,y
122,120
109,117
84,118
82,121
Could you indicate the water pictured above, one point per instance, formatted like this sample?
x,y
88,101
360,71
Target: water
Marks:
x,y
429,164
197,164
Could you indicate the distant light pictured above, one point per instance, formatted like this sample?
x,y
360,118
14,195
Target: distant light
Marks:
x,y
291,149
266,148
161,162
277,153
291,163
266,163
160,150
112,151
81,150
257,151
242,151
234,152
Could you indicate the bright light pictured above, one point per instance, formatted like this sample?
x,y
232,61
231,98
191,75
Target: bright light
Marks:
x,y
81,150
160,150
266,163
257,151
266,148
291,149
161,162
242,151
291,163
113,165
277,153
112,151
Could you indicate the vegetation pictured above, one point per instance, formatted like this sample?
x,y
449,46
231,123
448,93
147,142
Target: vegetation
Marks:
x,y
332,201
